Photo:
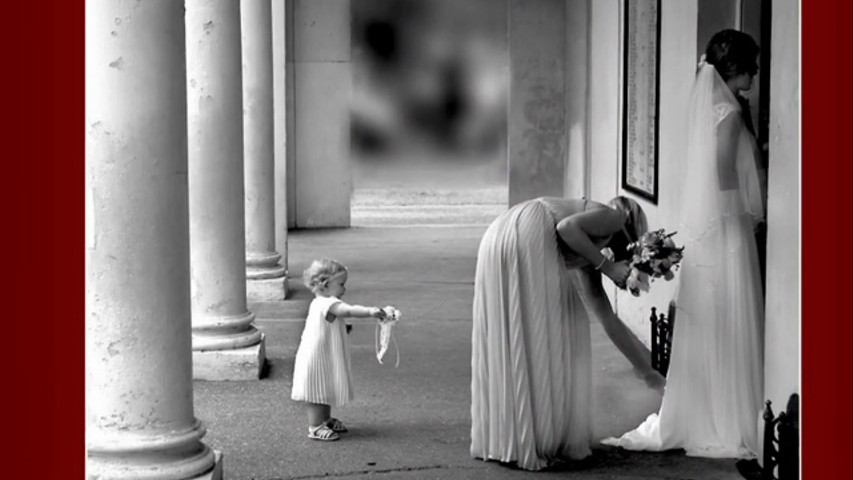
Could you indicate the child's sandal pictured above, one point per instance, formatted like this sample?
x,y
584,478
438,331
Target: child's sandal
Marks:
x,y
336,425
322,433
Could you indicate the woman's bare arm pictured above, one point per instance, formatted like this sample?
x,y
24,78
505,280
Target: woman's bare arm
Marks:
x,y
595,298
576,229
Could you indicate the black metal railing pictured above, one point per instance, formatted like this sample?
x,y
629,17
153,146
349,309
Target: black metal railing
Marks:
x,y
662,327
782,442
781,449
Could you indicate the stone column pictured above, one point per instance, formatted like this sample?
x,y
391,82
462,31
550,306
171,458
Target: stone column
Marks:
x,y
289,109
267,279
280,96
537,99
226,346
139,392
322,83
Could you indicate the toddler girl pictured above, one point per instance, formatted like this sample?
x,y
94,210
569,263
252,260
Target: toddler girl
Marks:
x,y
321,373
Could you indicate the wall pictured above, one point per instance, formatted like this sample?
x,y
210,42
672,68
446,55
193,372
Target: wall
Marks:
x,y
537,99
782,324
604,92
577,96
319,179
677,69
678,62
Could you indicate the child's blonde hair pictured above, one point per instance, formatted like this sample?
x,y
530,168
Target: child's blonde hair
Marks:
x,y
318,274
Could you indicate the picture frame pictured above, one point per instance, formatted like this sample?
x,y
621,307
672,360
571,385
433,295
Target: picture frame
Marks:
x,y
641,97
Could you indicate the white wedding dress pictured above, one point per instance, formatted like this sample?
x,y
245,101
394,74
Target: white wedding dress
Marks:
x,y
713,397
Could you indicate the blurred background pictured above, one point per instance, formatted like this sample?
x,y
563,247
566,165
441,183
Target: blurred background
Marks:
x,y
428,112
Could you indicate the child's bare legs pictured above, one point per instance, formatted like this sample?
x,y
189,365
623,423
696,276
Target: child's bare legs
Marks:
x,y
318,413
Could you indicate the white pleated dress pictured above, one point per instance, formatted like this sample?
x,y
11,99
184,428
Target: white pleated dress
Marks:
x,y
321,371
531,373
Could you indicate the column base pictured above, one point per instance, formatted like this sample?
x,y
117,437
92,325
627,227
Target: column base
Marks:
x,y
216,472
266,289
230,365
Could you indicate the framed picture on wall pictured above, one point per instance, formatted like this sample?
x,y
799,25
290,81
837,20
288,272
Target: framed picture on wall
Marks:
x,y
640,97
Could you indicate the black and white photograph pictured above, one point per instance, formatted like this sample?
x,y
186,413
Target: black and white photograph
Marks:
x,y
443,239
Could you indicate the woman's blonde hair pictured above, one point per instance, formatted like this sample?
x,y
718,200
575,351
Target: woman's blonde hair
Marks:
x,y
635,224
318,274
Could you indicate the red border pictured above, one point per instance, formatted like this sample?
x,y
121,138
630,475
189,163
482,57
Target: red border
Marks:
x,y
44,322
68,423
43,82
826,232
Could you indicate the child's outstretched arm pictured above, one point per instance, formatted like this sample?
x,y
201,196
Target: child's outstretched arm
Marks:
x,y
343,309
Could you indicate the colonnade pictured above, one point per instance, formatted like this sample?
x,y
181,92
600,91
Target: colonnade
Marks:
x,y
190,190
181,233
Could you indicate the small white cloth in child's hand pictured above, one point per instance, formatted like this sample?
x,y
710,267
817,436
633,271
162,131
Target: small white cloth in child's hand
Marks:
x,y
384,333
391,314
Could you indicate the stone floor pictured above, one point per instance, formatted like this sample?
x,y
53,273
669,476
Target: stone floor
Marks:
x,y
410,422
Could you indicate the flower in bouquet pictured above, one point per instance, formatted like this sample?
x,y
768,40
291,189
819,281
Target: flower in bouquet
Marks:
x,y
654,255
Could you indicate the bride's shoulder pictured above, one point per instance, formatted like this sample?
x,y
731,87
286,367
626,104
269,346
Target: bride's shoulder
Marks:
x,y
723,110
724,104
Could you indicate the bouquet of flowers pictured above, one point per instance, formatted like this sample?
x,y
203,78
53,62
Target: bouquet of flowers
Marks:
x,y
654,255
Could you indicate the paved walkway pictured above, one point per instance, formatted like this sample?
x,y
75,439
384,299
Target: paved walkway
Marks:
x,y
411,422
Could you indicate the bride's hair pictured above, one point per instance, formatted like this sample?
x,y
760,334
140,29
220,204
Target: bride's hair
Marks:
x,y
635,225
732,53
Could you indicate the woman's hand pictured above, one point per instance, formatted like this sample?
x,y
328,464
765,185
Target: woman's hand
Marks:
x,y
616,271
595,298
653,379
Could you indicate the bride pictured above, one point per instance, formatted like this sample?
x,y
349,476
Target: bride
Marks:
x,y
713,396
